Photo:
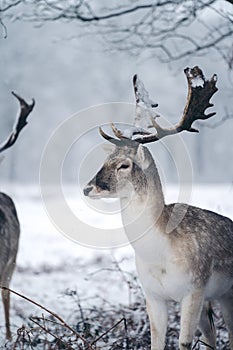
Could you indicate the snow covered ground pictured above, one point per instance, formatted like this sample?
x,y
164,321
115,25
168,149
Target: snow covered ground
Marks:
x,y
49,264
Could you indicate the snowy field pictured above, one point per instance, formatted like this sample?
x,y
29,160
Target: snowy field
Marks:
x,y
49,265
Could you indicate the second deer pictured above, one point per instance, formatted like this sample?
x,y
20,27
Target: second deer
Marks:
x,y
9,223
183,253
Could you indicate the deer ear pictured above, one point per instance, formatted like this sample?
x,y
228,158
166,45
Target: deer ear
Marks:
x,y
142,157
108,148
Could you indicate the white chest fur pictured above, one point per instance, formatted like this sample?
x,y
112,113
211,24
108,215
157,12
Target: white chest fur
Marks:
x,y
165,280
162,273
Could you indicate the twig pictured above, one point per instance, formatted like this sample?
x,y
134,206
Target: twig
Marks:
x,y
21,332
202,342
51,313
78,302
49,321
16,341
109,330
49,332
126,334
4,28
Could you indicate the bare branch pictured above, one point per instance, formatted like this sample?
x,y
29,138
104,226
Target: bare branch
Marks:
x,y
114,14
8,7
4,28
165,29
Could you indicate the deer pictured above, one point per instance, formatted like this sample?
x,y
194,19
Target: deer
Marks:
x,y
182,253
9,222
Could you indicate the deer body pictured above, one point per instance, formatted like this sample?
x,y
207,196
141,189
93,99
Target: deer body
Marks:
x,y
183,253
9,223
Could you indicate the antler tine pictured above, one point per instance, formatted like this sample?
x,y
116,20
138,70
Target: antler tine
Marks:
x,y
138,94
123,141
116,131
109,138
21,122
104,135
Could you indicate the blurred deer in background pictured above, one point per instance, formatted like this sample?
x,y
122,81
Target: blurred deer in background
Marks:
x,y
183,253
9,223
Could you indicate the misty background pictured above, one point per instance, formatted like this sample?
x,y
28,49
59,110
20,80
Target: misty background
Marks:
x,y
66,71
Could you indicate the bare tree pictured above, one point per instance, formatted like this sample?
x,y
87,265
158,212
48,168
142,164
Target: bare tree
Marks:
x,y
169,30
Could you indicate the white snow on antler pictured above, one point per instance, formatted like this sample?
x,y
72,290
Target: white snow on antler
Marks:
x,y
144,105
134,130
143,112
197,81
196,78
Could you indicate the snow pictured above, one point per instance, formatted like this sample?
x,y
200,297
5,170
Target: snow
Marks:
x,y
144,105
49,264
197,81
128,133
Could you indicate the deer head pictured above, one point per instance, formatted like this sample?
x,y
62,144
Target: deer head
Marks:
x,y
123,173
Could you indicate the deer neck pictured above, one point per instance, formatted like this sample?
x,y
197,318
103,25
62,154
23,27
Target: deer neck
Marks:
x,y
141,212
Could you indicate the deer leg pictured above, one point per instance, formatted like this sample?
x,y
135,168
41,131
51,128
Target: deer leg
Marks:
x,y
207,329
191,307
157,311
6,306
5,281
226,303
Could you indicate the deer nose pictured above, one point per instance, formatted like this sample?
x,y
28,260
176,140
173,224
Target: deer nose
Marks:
x,y
87,190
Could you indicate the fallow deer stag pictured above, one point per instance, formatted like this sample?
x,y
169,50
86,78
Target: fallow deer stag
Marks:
x,y
9,223
183,253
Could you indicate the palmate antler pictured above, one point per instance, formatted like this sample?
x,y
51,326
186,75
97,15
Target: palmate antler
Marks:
x,y
200,92
21,122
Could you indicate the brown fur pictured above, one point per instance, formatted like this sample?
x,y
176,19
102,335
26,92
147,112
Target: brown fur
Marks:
x,y
213,237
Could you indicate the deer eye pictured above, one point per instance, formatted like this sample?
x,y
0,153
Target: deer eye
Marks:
x,y
122,166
